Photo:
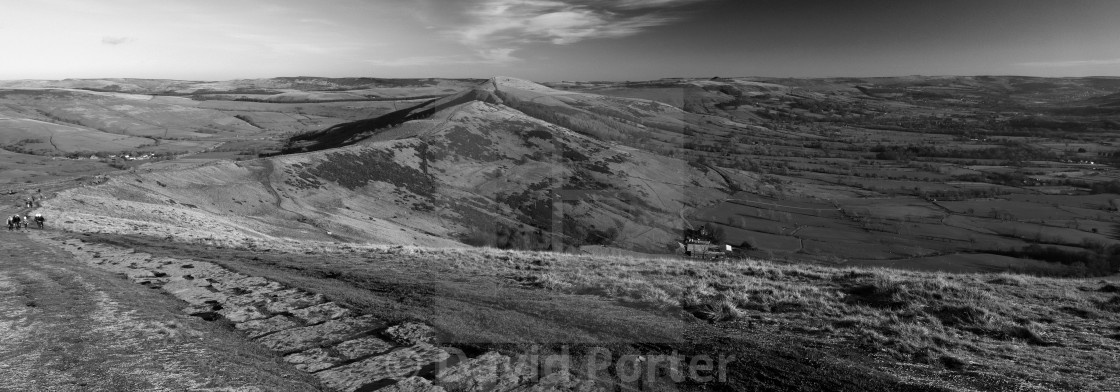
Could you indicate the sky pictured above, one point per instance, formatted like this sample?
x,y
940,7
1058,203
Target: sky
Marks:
x,y
554,40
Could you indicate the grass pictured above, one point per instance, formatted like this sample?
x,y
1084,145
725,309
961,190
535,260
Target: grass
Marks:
x,y
1043,331
1007,327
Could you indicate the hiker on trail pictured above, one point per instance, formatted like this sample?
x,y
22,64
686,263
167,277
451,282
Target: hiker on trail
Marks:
x,y
26,221
39,220
13,222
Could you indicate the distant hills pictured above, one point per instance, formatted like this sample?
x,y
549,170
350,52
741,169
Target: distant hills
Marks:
x,y
248,86
904,171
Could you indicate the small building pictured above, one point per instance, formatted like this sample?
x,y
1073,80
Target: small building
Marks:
x,y
700,243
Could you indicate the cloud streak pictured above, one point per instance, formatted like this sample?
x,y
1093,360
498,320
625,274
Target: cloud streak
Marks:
x,y
641,4
498,28
286,44
109,40
1070,63
497,56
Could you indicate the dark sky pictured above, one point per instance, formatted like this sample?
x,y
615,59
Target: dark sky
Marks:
x,y
551,40
869,38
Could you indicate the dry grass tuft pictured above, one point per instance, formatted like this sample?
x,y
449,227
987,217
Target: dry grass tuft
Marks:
x,y
1009,279
1110,305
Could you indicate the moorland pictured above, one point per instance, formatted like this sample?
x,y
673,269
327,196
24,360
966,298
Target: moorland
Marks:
x,y
905,233
933,173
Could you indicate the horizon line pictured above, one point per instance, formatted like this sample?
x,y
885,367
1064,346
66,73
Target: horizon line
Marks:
x,y
562,80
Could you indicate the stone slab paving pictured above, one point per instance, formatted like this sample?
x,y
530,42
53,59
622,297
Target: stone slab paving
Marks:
x,y
488,372
398,365
362,347
325,334
242,313
259,328
412,384
314,360
287,299
321,313
411,333
345,350
67,325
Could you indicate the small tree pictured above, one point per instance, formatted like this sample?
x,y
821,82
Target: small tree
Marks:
x,y
715,233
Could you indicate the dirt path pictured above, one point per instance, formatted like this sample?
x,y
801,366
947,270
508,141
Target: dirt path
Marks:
x,y
67,327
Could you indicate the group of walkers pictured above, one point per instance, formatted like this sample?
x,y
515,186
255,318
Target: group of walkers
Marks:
x,y
16,222
29,202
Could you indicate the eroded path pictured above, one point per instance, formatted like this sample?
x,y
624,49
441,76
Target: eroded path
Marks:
x,y
66,326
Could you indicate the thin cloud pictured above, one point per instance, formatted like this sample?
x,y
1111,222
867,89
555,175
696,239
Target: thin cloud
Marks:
x,y
497,28
1070,63
640,4
319,21
287,45
416,61
496,56
109,40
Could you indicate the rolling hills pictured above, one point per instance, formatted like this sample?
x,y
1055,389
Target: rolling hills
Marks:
x,y
932,173
161,120
469,169
374,203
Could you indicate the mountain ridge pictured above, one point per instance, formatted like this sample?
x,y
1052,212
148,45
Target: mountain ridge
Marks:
x,y
470,168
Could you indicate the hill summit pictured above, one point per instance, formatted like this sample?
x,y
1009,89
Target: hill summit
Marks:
x,y
534,163
506,163
490,91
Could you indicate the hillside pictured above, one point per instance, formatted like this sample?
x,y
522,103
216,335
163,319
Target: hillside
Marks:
x,y
952,174
121,123
945,173
258,89
468,170
375,207
779,327
912,173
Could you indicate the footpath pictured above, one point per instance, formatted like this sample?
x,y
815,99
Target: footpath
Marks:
x,y
330,345
66,326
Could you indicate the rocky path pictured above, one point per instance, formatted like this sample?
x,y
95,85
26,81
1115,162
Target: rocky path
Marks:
x,y
65,326
343,350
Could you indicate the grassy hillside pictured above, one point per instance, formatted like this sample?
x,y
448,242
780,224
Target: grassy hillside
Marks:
x,y
953,174
472,171
915,173
254,87
791,327
949,174
375,201
211,120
